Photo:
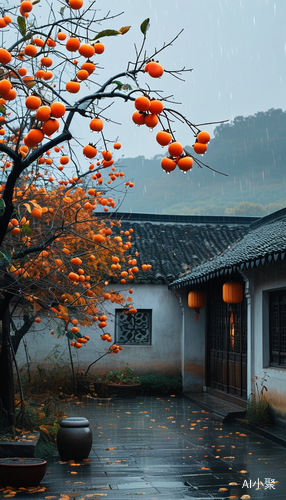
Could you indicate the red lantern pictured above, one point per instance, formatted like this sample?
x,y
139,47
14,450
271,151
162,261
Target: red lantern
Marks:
x,y
196,300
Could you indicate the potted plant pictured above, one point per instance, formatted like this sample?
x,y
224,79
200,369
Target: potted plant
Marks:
x,y
122,383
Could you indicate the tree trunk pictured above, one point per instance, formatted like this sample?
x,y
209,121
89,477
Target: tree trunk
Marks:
x,y
6,370
21,332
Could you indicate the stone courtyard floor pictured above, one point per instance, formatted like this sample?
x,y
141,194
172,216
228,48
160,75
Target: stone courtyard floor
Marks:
x,y
164,448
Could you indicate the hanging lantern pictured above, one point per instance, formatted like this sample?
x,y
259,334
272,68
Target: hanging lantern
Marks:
x,y
196,300
232,293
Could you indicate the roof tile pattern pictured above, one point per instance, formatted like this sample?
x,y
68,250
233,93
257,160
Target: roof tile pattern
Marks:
x,y
261,245
174,249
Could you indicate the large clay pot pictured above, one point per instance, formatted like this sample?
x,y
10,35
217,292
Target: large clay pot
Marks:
x,y
22,472
74,438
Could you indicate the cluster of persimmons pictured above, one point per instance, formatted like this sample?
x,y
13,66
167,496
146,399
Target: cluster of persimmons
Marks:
x,y
148,113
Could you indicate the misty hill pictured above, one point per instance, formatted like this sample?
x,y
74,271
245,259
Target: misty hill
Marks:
x,y
251,151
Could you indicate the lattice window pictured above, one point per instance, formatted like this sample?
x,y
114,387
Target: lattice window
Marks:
x,y
133,329
227,327
217,332
277,328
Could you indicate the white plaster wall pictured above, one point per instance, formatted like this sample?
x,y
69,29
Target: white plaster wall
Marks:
x,y
264,280
193,348
163,356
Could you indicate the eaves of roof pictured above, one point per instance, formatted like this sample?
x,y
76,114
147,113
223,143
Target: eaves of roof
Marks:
x,y
262,245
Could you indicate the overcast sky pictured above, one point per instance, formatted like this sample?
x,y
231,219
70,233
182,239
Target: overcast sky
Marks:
x,y
237,49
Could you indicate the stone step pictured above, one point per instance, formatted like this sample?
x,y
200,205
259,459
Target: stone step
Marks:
x,y
226,410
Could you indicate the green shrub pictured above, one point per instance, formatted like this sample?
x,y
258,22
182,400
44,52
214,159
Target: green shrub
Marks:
x,y
258,412
121,376
161,383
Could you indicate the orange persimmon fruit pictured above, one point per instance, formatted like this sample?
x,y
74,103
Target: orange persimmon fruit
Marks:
x,y
185,163
163,138
99,48
50,126
142,103
5,56
82,74
43,113
200,148
96,124
46,62
33,102
36,213
138,118
58,109
88,66
30,50
73,86
86,50
168,165
175,149
75,4
89,151
151,120
203,137
156,107
155,69
72,44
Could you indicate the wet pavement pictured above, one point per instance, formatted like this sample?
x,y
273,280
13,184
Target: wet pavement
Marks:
x,y
164,449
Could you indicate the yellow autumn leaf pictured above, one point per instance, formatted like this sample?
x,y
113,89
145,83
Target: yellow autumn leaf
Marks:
x,y
124,29
44,429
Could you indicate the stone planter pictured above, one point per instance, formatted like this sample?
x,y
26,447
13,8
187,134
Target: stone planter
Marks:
x,y
74,439
23,447
124,390
22,472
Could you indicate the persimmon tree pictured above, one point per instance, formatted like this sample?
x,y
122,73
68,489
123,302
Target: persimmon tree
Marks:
x,y
56,249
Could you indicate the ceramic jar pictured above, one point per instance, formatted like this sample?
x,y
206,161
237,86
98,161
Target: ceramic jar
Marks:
x,y
74,438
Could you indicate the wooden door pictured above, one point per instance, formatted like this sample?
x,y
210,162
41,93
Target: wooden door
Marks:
x,y
226,346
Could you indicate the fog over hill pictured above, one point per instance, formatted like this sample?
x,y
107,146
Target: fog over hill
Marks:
x,y
251,151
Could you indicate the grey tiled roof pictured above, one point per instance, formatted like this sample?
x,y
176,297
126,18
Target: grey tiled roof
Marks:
x,y
263,244
174,249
